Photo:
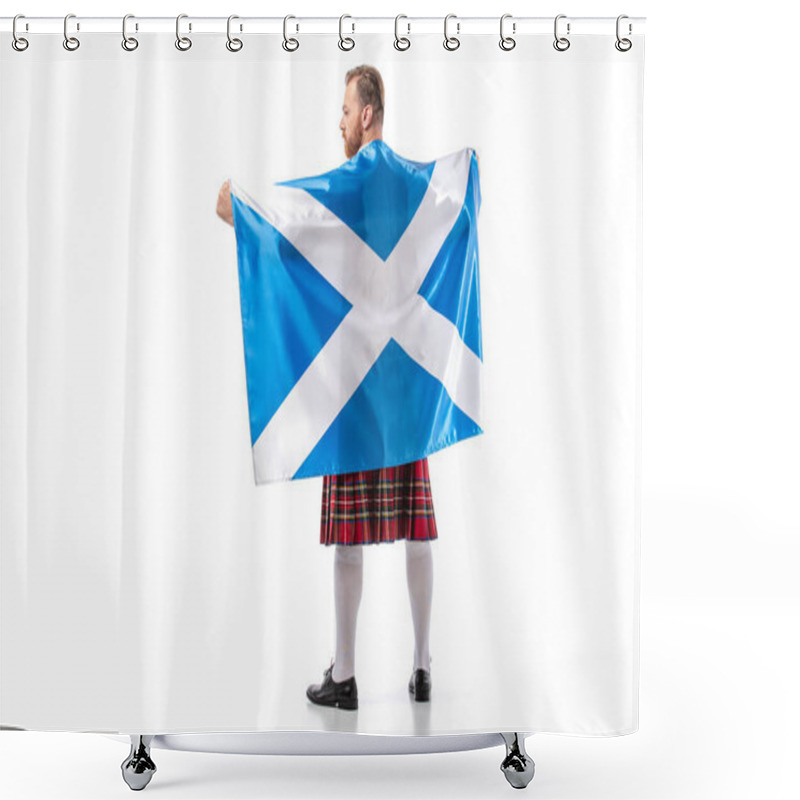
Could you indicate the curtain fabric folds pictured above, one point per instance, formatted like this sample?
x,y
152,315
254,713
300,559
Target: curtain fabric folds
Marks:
x,y
148,584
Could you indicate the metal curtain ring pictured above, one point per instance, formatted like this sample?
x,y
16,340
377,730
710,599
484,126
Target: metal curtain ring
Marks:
x,y
623,45
560,40
286,41
128,42
70,42
234,45
181,42
346,43
451,42
401,42
18,42
506,42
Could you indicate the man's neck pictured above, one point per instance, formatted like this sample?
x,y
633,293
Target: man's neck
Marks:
x,y
371,139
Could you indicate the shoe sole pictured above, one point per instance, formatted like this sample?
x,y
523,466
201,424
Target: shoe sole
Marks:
x,y
345,704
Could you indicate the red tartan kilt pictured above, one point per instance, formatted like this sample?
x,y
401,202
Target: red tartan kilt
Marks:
x,y
379,505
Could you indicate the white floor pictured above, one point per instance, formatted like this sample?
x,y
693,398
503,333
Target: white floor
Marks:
x,y
718,718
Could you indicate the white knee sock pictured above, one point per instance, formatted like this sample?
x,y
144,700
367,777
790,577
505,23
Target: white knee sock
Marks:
x,y
419,570
348,573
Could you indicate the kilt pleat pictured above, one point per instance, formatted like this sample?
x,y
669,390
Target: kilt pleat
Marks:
x,y
380,505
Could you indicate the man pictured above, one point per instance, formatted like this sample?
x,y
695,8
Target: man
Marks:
x,y
374,506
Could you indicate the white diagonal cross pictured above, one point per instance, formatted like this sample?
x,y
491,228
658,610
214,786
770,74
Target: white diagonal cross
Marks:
x,y
386,305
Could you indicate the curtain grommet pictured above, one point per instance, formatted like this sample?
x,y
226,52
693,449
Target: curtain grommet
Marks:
x,y
70,42
233,44
19,43
561,43
507,42
345,42
451,42
128,43
622,44
290,44
183,43
401,43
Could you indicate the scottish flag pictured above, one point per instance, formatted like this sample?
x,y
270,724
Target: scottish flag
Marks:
x,y
360,301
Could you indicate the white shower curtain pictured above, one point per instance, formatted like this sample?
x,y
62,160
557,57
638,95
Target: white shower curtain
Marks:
x,y
148,584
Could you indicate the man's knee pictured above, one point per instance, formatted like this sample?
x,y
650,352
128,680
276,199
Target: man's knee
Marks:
x,y
417,549
350,553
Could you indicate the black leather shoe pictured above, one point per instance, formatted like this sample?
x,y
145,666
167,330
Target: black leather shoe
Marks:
x,y
420,685
343,694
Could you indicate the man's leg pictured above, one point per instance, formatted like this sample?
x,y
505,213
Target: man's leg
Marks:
x,y
348,574
419,570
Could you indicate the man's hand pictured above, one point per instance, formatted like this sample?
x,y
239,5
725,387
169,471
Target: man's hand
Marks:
x,y
224,206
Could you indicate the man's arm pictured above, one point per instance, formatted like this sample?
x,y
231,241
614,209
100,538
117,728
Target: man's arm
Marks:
x,y
224,205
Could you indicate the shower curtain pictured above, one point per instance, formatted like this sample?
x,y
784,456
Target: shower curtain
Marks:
x,y
151,582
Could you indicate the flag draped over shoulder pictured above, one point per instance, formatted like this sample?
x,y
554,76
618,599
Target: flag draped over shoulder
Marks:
x,y
360,302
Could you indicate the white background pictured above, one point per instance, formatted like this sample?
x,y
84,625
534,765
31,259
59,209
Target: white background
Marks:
x,y
720,523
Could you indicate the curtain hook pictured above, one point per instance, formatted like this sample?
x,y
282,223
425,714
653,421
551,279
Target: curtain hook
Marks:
x,y
128,42
451,42
70,42
234,45
623,45
506,42
401,43
560,40
17,41
286,42
182,42
350,43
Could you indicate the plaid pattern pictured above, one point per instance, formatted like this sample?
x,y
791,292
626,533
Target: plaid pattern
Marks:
x,y
379,505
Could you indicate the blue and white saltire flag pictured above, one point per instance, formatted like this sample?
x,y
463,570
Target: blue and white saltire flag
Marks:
x,y
360,301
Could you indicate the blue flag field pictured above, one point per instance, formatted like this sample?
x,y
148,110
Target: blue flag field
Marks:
x,y
360,301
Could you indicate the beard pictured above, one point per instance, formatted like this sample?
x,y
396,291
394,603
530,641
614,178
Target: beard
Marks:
x,y
352,144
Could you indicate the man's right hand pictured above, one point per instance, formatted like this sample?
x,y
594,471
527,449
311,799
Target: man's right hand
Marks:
x,y
224,205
